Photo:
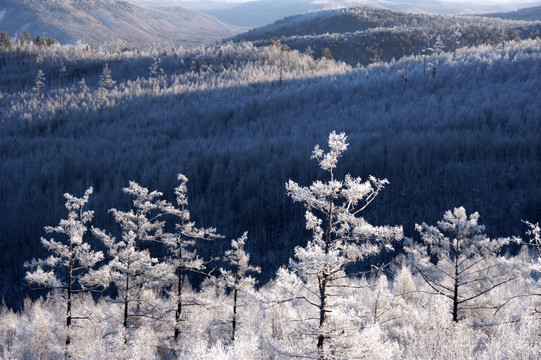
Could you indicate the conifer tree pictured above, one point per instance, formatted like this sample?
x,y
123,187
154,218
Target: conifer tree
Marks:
x,y
5,40
468,263
155,70
327,54
83,87
136,274
183,256
237,279
39,82
341,236
106,83
535,240
72,261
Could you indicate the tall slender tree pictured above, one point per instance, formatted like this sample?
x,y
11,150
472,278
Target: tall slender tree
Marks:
x,y
39,82
236,278
136,274
181,243
106,84
72,261
341,236
155,71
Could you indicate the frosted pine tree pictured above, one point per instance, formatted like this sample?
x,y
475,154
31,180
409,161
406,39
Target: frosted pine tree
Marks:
x,y
341,237
143,219
468,264
437,49
155,71
72,261
106,84
183,257
136,274
83,87
534,231
106,80
39,82
535,240
238,279
438,46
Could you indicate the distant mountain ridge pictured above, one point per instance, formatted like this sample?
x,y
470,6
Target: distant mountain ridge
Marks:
x,y
102,21
263,12
363,35
530,13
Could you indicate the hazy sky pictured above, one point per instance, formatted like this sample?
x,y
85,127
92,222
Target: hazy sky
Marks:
x,y
481,2
438,6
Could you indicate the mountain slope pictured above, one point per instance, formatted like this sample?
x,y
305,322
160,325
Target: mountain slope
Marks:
x,y
466,136
367,34
259,13
531,13
263,12
101,21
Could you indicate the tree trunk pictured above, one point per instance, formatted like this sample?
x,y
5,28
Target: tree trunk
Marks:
x,y
126,300
455,292
323,283
178,314
234,324
322,313
68,309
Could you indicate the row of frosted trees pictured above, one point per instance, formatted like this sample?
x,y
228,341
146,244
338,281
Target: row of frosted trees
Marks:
x,y
316,306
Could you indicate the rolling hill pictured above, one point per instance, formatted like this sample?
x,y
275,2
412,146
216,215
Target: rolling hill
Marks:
x,y
98,22
530,13
263,12
363,35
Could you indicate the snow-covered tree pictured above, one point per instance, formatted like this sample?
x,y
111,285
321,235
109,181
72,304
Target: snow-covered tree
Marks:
x,y
438,47
236,278
72,261
534,231
183,256
136,274
5,40
106,83
8,333
155,71
39,82
468,263
83,87
457,35
327,54
341,236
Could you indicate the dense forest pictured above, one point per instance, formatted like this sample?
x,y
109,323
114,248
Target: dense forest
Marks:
x,y
448,140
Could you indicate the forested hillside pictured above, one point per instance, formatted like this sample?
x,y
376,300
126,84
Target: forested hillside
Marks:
x,y
103,22
240,120
363,35
530,13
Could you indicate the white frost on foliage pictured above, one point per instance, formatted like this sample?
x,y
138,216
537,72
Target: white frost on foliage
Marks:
x,y
45,278
340,237
72,253
535,232
466,258
337,145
